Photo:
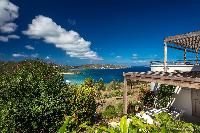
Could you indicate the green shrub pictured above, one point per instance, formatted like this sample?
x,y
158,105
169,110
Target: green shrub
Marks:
x,y
164,95
109,112
117,93
148,98
34,98
161,99
89,82
163,124
119,108
83,103
100,85
114,85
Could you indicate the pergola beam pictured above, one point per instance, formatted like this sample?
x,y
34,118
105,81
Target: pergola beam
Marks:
x,y
180,48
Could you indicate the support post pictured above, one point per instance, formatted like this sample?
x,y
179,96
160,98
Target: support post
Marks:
x,y
184,56
197,58
125,97
165,57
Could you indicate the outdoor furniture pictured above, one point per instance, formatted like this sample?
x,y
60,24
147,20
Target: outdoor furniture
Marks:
x,y
176,113
153,111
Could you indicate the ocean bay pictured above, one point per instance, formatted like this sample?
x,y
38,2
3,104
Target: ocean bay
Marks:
x,y
106,74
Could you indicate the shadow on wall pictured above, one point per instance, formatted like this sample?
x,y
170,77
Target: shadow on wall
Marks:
x,y
196,68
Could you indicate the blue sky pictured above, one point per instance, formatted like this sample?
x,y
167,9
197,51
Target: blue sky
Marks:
x,y
76,32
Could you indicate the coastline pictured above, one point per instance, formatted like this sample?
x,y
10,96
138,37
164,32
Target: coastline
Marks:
x,y
67,73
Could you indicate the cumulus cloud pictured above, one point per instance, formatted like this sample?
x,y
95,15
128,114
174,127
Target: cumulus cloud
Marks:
x,y
19,55
8,28
29,47
70,41
8,13
6,38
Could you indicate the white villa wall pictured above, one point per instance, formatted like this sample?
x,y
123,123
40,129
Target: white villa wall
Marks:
x,y
172,68
183,100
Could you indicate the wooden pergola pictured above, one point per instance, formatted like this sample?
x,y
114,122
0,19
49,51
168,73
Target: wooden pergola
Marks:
x,y
188,42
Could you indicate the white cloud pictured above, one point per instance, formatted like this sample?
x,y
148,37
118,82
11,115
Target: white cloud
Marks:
x,y
118,57
8,28
19,55
3,39
70,41
29,47
6,38
8,13
140,61
13,37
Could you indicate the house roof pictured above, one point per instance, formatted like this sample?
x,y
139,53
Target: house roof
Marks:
x,y
188,40
182,79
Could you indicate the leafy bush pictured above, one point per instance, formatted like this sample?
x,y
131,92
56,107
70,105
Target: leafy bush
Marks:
x,y
148,98
82,103
34,98
163,124
161,99
119,108
114,85
89,82
164,95
117,93
100,84
109,112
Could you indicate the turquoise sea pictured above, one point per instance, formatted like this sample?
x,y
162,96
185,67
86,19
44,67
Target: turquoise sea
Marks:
x,y
107,74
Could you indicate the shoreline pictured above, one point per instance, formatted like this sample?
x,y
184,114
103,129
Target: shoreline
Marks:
x,y
67,73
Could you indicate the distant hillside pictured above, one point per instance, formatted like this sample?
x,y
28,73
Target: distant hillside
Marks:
x,y
100,66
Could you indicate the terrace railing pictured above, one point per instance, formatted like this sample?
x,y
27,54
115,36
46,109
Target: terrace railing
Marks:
x,y
178,62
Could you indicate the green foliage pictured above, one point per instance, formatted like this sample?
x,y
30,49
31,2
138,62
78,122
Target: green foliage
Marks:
x,y
161,99
119,108
148,98
163,124
89,82
164,95
100,85
124,125
34,98
169,125
109,112
82,103
117,93
114,85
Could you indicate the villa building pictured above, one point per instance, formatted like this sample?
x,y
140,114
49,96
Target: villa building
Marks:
x,y
185,75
